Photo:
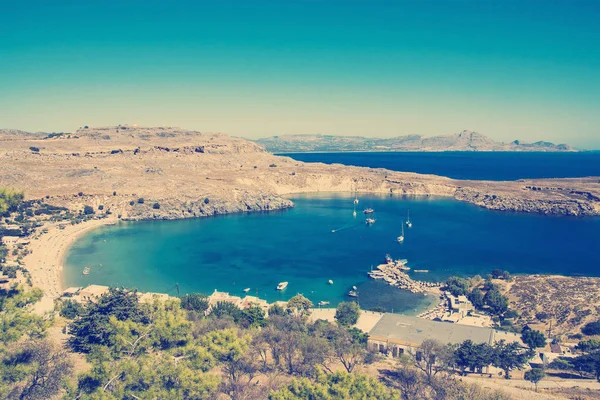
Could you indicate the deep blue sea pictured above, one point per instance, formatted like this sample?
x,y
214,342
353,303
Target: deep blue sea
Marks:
x,y
320,239
495,166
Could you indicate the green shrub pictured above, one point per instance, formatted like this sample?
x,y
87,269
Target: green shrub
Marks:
x,y
156,206
141,200
591,328
347,313
87,210
195,302
70,309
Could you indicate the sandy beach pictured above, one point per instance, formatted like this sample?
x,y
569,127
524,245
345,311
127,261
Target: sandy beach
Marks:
x,y
48,251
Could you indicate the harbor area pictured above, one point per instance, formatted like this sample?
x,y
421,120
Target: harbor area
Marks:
x,y
394,273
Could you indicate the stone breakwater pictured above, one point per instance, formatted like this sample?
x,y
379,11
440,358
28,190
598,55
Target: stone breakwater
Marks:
x,y
393,275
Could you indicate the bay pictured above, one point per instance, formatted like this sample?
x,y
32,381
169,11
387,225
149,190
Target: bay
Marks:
x,y
319,239
495,166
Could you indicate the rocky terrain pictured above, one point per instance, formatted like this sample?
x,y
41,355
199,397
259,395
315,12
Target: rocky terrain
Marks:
x,y
569,302
463,141
168,173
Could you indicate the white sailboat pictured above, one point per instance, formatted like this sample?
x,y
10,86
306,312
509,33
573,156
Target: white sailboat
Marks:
x,y
400,238
408,223
355,197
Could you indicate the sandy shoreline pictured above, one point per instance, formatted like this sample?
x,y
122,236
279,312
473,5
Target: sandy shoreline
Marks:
x,y
48,252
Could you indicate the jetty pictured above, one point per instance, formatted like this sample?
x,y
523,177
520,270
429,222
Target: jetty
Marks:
x,y
393,274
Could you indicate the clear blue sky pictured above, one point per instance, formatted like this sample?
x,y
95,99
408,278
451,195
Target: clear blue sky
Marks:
x,y
524,69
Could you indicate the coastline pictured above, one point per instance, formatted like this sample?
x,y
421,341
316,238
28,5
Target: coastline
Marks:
x,y
47,255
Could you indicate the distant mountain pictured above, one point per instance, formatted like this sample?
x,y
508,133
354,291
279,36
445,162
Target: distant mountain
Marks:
x,y
463,141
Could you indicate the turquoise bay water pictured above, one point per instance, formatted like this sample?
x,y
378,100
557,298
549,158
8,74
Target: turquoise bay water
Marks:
x,y
259,250
495,166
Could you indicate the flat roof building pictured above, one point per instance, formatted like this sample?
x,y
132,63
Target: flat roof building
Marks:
x,y
395,333
217,297
412,331
92,292
149,297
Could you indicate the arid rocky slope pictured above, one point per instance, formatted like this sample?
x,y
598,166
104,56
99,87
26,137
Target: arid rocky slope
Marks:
x,y
192,174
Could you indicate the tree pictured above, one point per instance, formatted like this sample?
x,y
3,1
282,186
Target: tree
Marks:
x,y
587,364
225,309
497,273
535,375
276,309
94,328
339,385
10,200
409,381
476,298
140,200
430,354
33,370
195,302
561,364
70,309
155,376
472,356
497,303
510,356
88,210
347,347
17,320
457,286
347,313
156,206
532,338
588,345
253,316
506,275
591,328
300,304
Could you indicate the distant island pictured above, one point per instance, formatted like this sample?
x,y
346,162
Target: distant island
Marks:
x,y
463,141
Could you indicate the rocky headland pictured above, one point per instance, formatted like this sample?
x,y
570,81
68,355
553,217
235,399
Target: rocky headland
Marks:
x,y
168,173
463,141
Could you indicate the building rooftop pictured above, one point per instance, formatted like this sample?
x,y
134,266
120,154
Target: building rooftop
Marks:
x,y
72,290
149,297
94,290
217,296
408,330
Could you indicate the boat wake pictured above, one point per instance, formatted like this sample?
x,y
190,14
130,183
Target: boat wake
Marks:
x,y
349,225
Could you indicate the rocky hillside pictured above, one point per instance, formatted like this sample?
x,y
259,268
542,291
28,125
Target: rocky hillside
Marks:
x,y
169,173
463,141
